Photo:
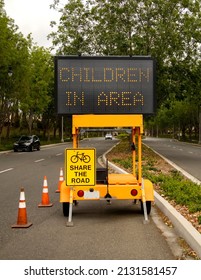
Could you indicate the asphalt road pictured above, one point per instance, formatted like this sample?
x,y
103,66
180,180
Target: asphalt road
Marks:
x,y
100,231
185,155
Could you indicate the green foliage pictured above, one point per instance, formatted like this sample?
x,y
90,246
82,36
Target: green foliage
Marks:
x,y
167,30
184,193
73,35
26,94
173,185
126,163
176,188
123,136
155,179
37,98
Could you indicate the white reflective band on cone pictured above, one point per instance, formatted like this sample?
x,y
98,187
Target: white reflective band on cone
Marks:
x,y
22,196
45,190
22,205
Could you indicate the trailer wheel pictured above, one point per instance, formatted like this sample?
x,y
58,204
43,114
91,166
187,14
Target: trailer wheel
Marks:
x,y
66,208
148,205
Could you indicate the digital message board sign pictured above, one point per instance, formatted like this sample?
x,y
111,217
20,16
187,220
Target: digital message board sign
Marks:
x,y
104,85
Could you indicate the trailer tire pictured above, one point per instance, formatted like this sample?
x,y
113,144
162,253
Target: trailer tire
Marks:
x,y
148,205
66,209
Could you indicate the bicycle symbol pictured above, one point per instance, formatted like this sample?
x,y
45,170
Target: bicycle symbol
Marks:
x,y
81,157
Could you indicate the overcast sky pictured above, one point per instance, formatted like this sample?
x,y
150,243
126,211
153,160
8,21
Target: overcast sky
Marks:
x,y
32,16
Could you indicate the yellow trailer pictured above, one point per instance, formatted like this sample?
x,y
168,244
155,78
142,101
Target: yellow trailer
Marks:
x,y
106,186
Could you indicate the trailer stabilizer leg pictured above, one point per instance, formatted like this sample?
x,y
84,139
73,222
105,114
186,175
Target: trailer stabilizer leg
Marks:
x,y
146,220
69,222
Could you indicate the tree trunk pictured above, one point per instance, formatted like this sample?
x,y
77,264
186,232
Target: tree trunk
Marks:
x,y
30,122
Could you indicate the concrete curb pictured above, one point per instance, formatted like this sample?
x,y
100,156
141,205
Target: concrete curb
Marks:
x,y
182,226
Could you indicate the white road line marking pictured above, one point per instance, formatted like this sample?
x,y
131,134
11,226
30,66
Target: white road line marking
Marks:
x,y
6,170
58,154
38,160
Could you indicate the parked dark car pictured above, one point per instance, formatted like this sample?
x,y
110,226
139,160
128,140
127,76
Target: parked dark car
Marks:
x,y
27,143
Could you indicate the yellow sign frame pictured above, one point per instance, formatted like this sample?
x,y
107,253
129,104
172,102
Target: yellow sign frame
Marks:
x,y
80,167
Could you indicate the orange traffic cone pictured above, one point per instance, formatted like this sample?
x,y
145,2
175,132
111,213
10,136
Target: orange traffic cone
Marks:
x,y
22,213
45,196
61,179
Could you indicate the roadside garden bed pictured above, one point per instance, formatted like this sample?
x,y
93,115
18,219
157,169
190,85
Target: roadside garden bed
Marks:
x,y
181,193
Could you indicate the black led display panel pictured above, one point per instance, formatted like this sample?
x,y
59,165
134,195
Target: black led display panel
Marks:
x,y
105,85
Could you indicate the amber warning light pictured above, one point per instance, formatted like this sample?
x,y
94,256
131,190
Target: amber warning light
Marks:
x,y
105,85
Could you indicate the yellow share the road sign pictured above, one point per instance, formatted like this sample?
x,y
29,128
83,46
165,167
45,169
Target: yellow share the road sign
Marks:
x,y
80,167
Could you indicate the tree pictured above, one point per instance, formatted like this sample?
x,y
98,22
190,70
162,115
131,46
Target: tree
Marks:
x,y
13,60
72,36
37,97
